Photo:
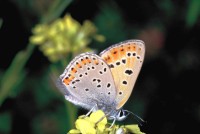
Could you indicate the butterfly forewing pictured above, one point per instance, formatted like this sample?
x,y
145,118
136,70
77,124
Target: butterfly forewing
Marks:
x,y
124,60
88,81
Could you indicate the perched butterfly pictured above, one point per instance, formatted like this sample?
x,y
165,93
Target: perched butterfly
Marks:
x,y
106,81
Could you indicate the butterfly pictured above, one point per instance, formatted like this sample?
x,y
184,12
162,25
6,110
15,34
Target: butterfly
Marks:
x,y
104,81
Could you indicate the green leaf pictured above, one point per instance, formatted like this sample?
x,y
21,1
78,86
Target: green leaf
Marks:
x,y
133,129
193,12
1,22
109,22
167,6
55,10
5,123
15,74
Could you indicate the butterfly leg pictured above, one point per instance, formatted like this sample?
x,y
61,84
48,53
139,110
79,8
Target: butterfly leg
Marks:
x,y
91,110
114,119
101,119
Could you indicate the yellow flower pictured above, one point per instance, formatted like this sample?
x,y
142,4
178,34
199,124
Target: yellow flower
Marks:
x,y
74,131
96,116
64,36
85,126
133,129
89,125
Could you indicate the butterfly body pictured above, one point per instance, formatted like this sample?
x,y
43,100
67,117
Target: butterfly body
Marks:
x,y
105,81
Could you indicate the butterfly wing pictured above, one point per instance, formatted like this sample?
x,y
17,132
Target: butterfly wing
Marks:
x,y
88,81
125,60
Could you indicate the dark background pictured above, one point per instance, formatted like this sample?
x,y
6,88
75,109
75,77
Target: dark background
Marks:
x,y
166,93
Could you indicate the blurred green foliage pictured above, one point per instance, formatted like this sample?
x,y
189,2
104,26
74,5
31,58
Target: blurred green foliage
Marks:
x,y
64,36
193,12
87,125
5,122
1,22
48,112
114,23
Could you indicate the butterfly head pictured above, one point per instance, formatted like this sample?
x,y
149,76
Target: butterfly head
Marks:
x,y
118,115
122,115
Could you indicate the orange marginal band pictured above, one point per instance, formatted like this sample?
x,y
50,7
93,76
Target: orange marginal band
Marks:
x,y
78,65
67,80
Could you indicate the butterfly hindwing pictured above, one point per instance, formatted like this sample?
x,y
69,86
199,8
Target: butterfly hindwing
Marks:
x,y
88,81
124,60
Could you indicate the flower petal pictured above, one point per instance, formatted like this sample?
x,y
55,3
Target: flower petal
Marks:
x,y
85,126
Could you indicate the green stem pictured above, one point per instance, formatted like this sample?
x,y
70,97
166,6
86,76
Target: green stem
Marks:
x,y
60,6
71,110
11,77
1,22
16,70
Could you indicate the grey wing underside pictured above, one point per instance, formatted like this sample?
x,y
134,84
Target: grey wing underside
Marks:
x,y
69,96
98,82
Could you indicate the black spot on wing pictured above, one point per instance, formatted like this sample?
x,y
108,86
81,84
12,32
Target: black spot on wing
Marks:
x,y
129,72
111,66
108,85
124,82
117,63
124,61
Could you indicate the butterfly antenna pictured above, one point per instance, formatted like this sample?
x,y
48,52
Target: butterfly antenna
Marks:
x,y
138,119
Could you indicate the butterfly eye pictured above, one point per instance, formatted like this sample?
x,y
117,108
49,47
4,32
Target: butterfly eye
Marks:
x,y
122,115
